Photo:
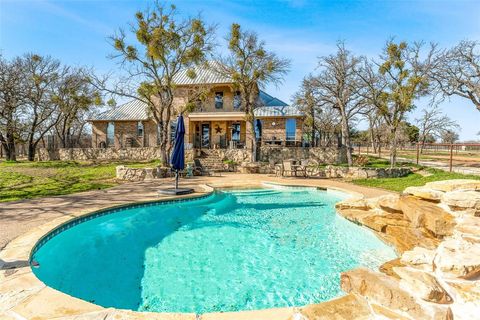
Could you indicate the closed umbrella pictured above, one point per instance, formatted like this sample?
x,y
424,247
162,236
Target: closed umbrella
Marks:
x,y
177,159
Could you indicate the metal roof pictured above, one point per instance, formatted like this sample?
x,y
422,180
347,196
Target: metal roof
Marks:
x,y
204,74
132,110
278,111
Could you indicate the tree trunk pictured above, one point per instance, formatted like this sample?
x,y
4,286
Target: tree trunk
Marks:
x,y
346,136
31,150
393,146
10,148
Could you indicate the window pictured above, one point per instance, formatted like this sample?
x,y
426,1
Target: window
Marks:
x,y
110,134
139,129
219,100
237,100
258,128
173,128
236,132
290,128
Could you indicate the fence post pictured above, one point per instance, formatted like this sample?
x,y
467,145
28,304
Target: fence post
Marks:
x,y
418,152
451,156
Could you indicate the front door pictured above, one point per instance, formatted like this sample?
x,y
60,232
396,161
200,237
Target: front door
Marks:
x,y
205,135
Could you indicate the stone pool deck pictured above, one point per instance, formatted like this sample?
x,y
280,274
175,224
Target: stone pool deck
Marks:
x,y
22,224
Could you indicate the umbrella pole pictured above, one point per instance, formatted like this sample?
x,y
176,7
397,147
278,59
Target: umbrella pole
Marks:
x,y
176,179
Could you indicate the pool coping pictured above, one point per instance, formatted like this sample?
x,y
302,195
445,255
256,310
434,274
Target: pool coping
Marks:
x,y
34,298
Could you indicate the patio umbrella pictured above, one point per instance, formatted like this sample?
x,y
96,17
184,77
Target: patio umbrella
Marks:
x,y
177,159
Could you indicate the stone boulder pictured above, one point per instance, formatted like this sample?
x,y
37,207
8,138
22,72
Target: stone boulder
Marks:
x,y
455,184
389,203
419,257
458,258
463,200
423,284
424,193
423,213
468,228
353,203
387,292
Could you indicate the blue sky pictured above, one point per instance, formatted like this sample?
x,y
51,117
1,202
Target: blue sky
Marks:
x,y
76,31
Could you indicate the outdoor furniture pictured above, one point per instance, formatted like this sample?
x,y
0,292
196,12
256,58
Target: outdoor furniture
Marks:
x,y
300,169
278,170
288,168
199,169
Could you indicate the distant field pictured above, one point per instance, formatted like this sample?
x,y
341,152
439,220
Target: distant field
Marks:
x,y
24,180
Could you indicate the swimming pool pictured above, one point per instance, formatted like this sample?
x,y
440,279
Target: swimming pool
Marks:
x,y
230,251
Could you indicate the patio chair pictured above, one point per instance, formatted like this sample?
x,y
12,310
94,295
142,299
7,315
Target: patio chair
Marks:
x,y
199,169
301,168
288,169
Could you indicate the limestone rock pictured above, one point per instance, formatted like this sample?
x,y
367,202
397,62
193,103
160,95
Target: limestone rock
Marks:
x,y
344,308
468,291
455,184
387,292
355,203
468,228
461,200
419,258
389,203
458,258
423,284
407,238
424,193
426,214
388,267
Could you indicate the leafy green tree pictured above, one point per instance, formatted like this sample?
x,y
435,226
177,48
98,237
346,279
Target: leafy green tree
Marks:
x,y
165,45
251,66
395,82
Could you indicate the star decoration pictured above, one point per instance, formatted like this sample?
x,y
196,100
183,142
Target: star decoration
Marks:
x,y
218,129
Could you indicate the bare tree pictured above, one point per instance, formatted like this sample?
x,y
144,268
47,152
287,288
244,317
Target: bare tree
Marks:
x,y
76,99
251,67
11,100
457,71
449,136
165,46
311,105
339,86
433,123
395,81
41,115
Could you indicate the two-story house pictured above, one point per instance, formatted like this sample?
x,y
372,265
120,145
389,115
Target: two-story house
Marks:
x,y
218,121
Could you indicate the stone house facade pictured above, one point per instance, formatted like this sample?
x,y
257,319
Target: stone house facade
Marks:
x,y
216,122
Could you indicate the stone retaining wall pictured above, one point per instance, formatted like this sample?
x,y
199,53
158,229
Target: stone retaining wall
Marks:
x,y
364,173
267,154
436,229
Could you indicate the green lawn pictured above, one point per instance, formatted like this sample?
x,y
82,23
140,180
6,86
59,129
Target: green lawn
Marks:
x,y
24,180
414,179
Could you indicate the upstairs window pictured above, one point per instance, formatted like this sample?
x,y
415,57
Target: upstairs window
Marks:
x,y
110,134
237,100
139,129
290,128
219,100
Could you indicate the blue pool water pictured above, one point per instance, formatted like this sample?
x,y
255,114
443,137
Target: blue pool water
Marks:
x,y
235,250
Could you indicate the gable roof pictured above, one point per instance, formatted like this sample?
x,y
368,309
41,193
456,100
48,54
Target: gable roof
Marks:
x,y
136,110
204,74
132,110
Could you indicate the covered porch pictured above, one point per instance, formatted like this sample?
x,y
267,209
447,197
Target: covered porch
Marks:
x,y
219,130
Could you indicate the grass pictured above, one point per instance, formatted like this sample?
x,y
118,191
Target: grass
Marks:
x,y
25,180
413,179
